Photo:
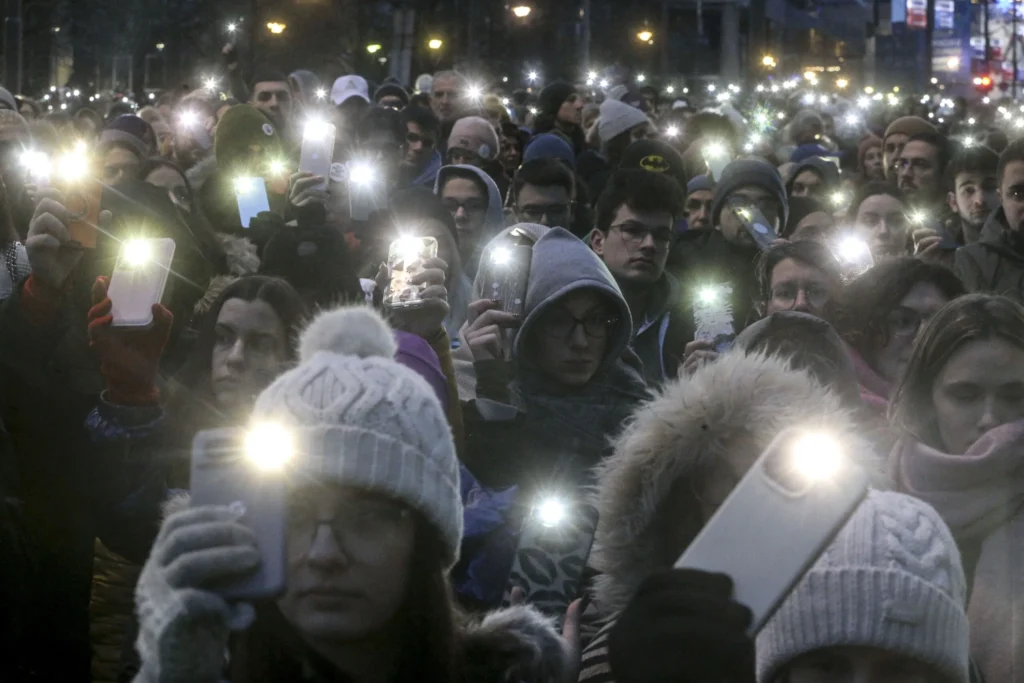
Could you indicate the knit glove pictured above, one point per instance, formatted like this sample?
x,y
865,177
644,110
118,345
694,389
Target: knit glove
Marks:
x,y
129,358
184,626
683,626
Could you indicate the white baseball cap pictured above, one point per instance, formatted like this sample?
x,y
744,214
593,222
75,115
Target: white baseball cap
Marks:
x,y
350,86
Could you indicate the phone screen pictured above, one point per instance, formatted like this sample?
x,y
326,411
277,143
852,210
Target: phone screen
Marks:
x,y
318,150
251,193
754,222
505,272
139,280
406,256
713,316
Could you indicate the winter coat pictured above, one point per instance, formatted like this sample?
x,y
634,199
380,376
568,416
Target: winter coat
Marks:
x,y
995,263
662,337
494,222
14,268
737,404
704,257
980,496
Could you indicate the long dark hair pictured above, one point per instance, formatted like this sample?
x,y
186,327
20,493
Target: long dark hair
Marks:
x,y
862,320
427,621
975,317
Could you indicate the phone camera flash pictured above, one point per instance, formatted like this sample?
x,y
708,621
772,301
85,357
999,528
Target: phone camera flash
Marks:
x,y
550,512
501,256
817,456
269,446
136,253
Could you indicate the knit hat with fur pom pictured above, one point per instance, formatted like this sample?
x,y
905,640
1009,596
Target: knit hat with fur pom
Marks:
x,y
362,419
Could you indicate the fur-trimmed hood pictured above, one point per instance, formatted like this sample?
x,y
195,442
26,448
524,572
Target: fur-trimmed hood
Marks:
x,y
513,644
242,259
739,402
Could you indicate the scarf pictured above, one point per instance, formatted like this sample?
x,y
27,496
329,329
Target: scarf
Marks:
x,y
874,389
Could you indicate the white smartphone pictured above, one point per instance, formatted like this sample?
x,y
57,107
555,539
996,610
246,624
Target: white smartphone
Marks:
x,y
139,280
318,150
713,316
251,193
779,519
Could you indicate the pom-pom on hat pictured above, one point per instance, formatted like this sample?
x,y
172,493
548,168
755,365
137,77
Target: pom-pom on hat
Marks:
x,y
367,421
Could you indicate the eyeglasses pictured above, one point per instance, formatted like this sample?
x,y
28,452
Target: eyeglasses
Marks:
x,y
267,95
634,233
785,295
555,213
905,322
561,324
414,138
365,519
452,205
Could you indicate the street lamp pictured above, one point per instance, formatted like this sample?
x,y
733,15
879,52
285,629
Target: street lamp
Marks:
x,y
841,83
645,36
435,44
373,48
522,11
769,61
160,47
276,27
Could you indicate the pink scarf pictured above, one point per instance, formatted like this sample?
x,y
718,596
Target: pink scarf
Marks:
x,y
980,495
874,389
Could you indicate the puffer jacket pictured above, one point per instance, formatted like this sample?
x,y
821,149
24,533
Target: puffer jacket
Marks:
x,y
994,264
735,405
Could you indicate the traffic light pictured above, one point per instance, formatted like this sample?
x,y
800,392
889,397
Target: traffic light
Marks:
x,y
983,83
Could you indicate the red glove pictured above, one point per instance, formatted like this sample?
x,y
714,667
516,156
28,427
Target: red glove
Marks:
x,y
129,358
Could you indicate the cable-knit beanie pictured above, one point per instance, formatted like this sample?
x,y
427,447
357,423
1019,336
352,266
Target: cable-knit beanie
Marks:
x,y
892,580
745,172
909,126
363,419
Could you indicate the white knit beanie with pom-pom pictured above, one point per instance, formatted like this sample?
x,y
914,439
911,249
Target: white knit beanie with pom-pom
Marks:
x,y
362,419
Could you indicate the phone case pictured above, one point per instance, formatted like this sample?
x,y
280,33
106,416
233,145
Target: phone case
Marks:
x,y
756,224
251,194
713,316
716,165
854,255
221,475
364,201
82,200
318,153
405,259
134,288
550,560
766,534
505,272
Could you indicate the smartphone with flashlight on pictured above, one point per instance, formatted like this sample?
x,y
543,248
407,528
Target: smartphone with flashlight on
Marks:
x,y
554,546
716,158
779,519
713,316
139,280
318,150
365,194
71,174
406,257
504,276
754,222
251,194
853,254
243,468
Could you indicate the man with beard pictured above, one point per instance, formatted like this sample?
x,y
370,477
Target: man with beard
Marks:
x,y
272,95
920,171
995,263
973,191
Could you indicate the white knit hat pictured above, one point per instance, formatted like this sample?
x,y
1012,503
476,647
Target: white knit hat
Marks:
x,y
892,580
363,419
618,117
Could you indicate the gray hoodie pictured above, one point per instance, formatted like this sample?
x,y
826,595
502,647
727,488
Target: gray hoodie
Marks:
x,y
547,421
494,221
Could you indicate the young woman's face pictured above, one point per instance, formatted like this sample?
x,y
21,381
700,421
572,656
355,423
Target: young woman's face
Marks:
x,y
857,665
979,388
249,351
349,556
571,337
914,310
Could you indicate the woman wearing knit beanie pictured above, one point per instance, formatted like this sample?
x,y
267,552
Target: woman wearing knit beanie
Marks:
x,y
960,410
373,525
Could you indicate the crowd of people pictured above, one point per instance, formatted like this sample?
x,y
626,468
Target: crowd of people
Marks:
x,y
868,279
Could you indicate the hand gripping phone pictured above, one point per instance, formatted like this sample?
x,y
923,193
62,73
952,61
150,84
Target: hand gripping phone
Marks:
x,y
244,467
779,519
139,280
754,223
318,150
553,550
251,193
713,316
82,194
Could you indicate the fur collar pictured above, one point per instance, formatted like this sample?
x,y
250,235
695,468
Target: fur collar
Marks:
x,y
201,172
242,259
735,402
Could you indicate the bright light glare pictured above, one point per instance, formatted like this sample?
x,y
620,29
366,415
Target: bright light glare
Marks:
x,y
708,295
532,76
409,247
672,132
474,92
968,142
136,252
603,83
244,186
189,118
36,163
838,199
592,75
211,83
852,249
670,89
269,446
640,78
316,129
321,94
808,98
362,174
73,166
232,27
522,11
714,150
852,120
550,512
435,44
816,456
500,256
918,216
277,167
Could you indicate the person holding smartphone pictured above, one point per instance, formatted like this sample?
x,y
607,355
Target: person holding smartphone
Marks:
x,y
368,543
674,466
959,408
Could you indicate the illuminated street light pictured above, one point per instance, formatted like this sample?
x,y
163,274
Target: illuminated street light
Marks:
x,y
373,48
276,27
522,11
160,47
769,61
435,43
645,36
532,76
670,89
841,83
